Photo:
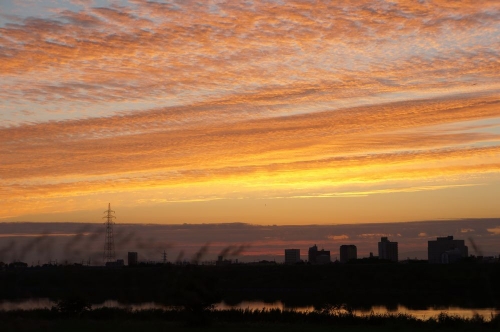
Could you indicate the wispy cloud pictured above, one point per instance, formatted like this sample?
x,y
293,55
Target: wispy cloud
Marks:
x,y
193,101
193,50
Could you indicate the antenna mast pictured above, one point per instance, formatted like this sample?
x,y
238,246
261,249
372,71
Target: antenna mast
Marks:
x,y
109,244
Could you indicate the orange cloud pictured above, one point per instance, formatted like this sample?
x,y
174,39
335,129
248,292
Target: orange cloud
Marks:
x,y
192,102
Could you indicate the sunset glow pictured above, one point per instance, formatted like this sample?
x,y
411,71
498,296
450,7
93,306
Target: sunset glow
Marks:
x,y
263,112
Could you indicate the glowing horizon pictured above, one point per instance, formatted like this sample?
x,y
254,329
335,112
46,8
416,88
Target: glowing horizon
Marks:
x,y
263,112
76,241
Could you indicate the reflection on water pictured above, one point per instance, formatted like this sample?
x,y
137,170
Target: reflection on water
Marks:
x,y
134,306
44,303
259,305
378,310
486,313
30,304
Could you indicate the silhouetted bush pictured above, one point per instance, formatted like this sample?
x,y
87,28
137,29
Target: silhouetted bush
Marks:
x,y
73,305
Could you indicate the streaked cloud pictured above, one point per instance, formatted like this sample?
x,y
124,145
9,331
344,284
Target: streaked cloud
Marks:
x,y
494,231
338,237
162,102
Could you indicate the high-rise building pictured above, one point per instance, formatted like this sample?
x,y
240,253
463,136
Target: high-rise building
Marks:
x,y
348,252
312,254
323,257
292,256
387,249
316,256
132,258
446,250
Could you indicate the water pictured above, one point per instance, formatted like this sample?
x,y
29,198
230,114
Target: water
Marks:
x,y
424,314
44,303
30,304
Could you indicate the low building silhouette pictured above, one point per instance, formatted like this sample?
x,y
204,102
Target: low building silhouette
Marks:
x,y
222,262
18,265
348,252
292,256
117,263
446,250
388,250
132,258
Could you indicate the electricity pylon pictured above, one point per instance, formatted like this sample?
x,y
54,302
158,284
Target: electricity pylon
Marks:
x,y
109,244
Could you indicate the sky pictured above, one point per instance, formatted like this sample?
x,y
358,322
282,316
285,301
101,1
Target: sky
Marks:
x,y
40,243
255,112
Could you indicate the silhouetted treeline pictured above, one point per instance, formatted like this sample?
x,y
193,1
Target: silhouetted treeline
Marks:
x,y
362,286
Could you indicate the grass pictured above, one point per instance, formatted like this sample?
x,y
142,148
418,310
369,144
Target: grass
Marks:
x,y
78,325
109,320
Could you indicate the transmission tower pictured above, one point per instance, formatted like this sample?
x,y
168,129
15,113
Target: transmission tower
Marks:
x,y
109,244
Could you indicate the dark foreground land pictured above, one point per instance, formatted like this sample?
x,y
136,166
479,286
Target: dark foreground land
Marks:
x,y
229,320
192,290
416,286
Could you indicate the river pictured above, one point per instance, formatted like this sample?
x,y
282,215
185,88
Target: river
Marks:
x,y
486,313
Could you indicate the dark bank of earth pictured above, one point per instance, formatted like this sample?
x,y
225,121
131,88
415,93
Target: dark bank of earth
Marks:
x,y
229,320
360,286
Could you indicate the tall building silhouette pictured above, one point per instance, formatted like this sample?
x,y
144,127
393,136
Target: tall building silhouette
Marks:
x,y
387,249
348,252
292,256
316,256
446,250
